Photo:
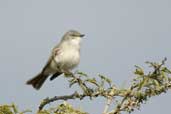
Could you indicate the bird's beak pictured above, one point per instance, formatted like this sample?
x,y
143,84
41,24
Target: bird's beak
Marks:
x,y
82,35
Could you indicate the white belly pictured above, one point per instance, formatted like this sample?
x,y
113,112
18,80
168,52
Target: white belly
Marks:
x,y
68,59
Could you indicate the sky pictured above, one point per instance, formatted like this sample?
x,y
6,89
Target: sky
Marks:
x,y
119,35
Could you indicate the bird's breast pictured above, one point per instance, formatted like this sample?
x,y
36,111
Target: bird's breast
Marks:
x,y
68,58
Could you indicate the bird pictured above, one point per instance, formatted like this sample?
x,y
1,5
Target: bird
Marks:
x,y
64,57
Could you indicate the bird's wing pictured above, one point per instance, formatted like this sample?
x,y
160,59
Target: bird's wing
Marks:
x,y
47,64
54,53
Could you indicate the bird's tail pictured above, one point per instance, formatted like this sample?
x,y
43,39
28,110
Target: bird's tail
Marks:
x,y
37,81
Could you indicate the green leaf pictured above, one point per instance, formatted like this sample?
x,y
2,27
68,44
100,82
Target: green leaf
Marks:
x,y
72,82
105,79
93,81
82,74
14,108
139,71
165,69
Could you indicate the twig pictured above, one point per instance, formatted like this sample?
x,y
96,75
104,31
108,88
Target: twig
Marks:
x,y
81,84
109,101
76,95
66,97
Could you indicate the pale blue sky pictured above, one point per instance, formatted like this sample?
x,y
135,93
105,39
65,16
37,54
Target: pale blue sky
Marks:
x,y
119,34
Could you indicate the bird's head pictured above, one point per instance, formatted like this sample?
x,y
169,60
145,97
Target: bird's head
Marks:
x,y
72,36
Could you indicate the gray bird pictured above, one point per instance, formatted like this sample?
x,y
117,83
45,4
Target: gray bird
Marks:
x,y
64,57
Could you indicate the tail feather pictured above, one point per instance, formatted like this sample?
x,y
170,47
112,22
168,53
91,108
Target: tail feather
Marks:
x,y
55,75
37,81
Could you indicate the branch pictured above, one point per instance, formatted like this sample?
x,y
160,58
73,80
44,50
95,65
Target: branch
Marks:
x,y
106,93
65,97
109,101
143,87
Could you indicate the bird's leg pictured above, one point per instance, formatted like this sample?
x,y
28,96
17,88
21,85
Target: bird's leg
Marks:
x,y
68,73
80,82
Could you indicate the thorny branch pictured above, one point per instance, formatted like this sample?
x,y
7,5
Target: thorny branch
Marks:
x,y
143,86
